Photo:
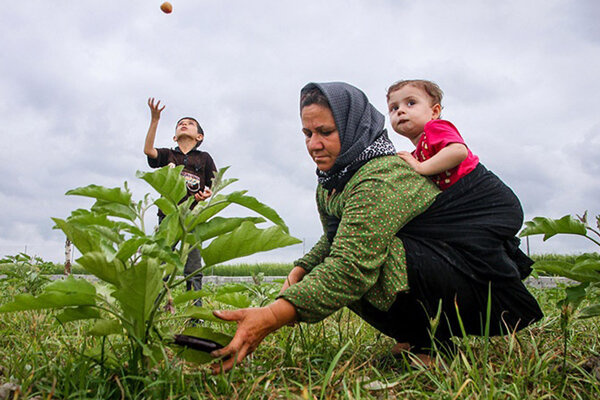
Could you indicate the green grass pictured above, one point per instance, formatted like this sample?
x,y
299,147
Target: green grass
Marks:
x,y
570,258
282,269
268,269
341,357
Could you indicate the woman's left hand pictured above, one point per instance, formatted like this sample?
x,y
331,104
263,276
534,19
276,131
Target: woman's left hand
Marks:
x,y
254,324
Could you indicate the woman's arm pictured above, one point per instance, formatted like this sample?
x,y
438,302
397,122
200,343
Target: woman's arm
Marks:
x,y
295,276
374,206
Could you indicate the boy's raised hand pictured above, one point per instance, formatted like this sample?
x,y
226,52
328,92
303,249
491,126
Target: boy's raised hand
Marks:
x,y
155,109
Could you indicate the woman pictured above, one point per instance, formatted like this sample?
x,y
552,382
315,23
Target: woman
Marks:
x,y
391,251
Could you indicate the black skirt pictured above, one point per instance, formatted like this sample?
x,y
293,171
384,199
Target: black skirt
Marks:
x,y
461,252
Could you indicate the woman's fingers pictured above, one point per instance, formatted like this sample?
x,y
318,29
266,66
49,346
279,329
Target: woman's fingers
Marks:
x,y
228,364
229,315
232,354
254,324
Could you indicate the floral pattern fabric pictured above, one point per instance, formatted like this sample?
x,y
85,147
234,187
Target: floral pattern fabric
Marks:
x,y
365,259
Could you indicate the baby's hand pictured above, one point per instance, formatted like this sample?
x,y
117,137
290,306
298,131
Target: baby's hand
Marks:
x,y
155,109
410,160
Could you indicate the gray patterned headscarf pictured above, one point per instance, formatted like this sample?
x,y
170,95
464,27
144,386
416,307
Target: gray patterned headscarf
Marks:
x,y
361,131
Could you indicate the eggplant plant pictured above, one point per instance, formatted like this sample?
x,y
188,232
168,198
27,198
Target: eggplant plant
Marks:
x,y
137,271
27,273
584,271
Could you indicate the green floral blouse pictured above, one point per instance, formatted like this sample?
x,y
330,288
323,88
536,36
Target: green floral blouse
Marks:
x,y
366,259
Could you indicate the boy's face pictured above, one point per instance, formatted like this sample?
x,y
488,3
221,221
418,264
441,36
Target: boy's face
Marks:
x,y
410,109
187,128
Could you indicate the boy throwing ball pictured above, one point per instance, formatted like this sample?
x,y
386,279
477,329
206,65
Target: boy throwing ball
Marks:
x,y
198,171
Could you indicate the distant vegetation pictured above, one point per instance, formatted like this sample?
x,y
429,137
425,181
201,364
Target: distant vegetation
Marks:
x,y
282,269
570,258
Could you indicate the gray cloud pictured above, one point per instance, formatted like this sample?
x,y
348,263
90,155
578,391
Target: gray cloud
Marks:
x,y
519,77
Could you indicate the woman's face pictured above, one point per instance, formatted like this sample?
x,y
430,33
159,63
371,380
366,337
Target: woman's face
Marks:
x,y
321,135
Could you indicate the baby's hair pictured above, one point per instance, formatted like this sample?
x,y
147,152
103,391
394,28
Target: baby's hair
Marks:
x,y
431,88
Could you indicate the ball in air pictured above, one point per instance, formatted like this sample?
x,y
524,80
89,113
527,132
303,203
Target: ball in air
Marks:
x,y
166,7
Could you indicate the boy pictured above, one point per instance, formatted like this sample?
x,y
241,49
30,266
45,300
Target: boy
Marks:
x,y
198,171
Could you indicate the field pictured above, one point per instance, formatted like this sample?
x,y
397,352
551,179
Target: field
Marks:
x,y
281,269
340,357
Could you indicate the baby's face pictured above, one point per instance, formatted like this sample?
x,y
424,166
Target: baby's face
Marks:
x,y
410,109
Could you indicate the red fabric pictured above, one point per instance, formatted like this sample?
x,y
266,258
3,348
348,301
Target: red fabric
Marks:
x,y
438,134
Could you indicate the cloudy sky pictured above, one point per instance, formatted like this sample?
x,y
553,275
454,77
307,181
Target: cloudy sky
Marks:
x,y
520,81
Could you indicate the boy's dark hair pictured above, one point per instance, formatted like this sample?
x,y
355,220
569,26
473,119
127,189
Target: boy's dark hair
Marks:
x,y
313,96
200,130
431,88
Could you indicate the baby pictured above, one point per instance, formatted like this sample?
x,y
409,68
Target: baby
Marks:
x,y
414,107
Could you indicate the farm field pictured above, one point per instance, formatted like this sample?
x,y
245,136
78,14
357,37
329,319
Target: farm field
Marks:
x,y
341,357
270,269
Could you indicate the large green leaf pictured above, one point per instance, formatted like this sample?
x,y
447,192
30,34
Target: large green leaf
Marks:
x,y
115,195
104,355
59,294
567,270
218,182
164,254
588,262
218,226
203,212
83,240
591,311
130,247
115,209
231,288
237,300
258,207
200,357
77,313
105,327
138,289
575,294
169,229
246,240
167,181
190,295
134,230
165,205
98,265
110,236
90,218
550,227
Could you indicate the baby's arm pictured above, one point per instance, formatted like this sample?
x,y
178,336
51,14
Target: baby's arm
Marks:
x,y
155,111
447,158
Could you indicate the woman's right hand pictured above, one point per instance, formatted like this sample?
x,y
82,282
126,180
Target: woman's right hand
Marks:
x,y
295,276
254,324
155,109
